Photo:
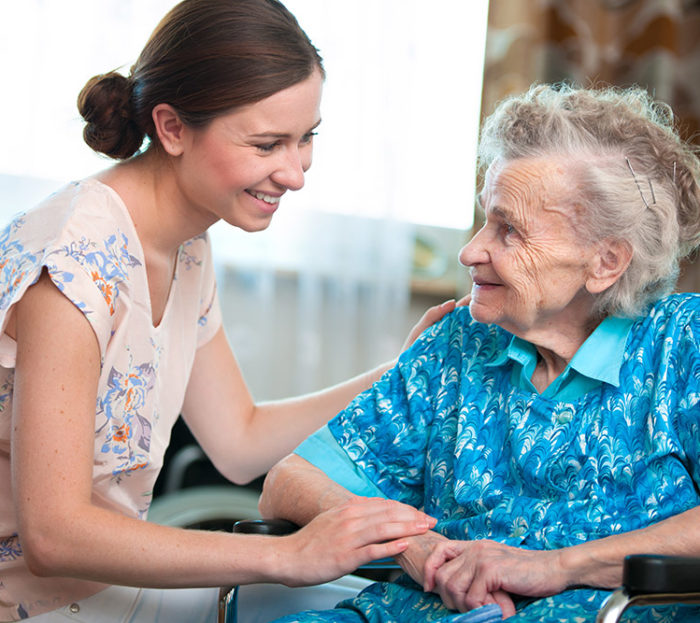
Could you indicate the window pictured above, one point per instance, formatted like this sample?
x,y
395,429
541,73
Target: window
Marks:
x,y
400,109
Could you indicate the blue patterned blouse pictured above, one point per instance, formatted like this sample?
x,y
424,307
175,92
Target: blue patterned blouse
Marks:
x,y
449,431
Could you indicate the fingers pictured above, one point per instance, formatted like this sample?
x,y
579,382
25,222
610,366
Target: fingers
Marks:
x,y
463,583
351,534
385,512
430,317
452,581
505,602
376,551
370,521
464,301
438,311
436,559
376,529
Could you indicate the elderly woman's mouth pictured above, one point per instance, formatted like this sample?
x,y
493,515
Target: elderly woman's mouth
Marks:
x,y
484,283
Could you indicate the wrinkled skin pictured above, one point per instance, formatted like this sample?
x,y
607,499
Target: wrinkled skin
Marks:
x,y
529,266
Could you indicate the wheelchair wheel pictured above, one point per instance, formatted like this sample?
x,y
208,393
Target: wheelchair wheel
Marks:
x,y
205,508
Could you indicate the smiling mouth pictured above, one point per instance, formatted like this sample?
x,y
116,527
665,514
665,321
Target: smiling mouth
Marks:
x,y
264,197
483,283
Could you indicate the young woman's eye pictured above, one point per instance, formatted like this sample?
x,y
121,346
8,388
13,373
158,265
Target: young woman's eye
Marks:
x,y
267,147
308,137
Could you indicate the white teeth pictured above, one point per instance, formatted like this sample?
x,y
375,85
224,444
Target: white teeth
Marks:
x,y
265,198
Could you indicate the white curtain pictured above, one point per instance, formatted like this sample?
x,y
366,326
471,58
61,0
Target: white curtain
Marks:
x,y
316,298
323,293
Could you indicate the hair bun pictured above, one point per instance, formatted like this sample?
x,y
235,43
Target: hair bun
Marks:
x,y
105,104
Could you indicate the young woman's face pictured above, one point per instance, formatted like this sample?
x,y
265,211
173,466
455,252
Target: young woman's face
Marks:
x,y
238,167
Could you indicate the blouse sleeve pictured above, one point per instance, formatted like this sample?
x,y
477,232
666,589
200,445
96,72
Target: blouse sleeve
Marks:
x,y
323,451
80,270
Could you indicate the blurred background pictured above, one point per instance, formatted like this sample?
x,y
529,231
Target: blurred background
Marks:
x,y
327,291
352,260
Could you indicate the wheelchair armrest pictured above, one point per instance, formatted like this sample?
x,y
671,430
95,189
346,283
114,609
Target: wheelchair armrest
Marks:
x,y
652,579
652,573
269,527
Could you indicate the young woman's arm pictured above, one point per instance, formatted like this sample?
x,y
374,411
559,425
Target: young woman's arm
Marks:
x,y
244,439
65,532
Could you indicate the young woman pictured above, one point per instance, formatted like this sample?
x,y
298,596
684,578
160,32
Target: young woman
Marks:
x,y
111,328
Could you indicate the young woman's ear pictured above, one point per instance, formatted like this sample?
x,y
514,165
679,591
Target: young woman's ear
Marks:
x,y
609,263
169,128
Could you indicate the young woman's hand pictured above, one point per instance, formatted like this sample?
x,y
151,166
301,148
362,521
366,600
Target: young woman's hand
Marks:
x,y
431,316
342,539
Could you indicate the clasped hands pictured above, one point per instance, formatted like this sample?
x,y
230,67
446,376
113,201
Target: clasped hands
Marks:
x,y
469,574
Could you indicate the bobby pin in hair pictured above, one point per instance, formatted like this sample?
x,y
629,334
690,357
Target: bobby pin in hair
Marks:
x,y
639,187
674,171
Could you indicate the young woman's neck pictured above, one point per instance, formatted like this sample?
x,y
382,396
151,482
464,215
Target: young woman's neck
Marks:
x,y
147,184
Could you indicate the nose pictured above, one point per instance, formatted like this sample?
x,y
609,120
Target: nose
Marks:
x,y
475,251
291,169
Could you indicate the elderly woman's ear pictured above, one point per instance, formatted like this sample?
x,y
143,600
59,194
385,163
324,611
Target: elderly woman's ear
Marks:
x,y
608,264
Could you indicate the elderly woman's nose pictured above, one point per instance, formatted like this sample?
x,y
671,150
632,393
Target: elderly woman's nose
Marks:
x,y
474,252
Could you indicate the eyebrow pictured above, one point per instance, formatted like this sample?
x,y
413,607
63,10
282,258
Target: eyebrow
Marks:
x,y
281,135
508,216
500,212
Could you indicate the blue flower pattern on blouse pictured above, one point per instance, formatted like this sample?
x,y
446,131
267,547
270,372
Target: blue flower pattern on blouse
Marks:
x,y
126,430
447,433
16,263
108,264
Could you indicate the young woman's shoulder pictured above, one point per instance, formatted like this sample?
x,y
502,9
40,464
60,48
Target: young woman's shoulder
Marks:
x,y
83,236
83,209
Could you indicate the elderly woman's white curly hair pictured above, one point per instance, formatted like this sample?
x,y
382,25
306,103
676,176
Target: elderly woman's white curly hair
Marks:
x,y
637,181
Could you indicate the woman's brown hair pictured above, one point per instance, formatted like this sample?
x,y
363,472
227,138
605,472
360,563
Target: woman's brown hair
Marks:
x,y
205,58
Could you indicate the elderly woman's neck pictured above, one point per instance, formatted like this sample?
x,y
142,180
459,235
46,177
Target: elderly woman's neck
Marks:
x,y
555,350
549,366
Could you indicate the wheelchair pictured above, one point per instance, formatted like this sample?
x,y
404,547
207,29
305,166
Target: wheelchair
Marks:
x,y
648,579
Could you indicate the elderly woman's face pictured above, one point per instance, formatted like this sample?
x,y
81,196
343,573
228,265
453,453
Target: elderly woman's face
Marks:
x,y
528,267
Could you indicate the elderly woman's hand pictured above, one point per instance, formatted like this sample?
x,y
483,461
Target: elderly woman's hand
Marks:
x,y
413,559
469,574
431,316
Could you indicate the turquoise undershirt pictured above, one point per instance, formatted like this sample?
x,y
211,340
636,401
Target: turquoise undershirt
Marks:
x,y
597,361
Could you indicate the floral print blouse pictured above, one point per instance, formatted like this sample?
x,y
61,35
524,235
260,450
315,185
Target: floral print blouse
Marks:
x,y
84,237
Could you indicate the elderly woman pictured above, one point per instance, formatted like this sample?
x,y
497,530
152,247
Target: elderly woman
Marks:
x,y
553,427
